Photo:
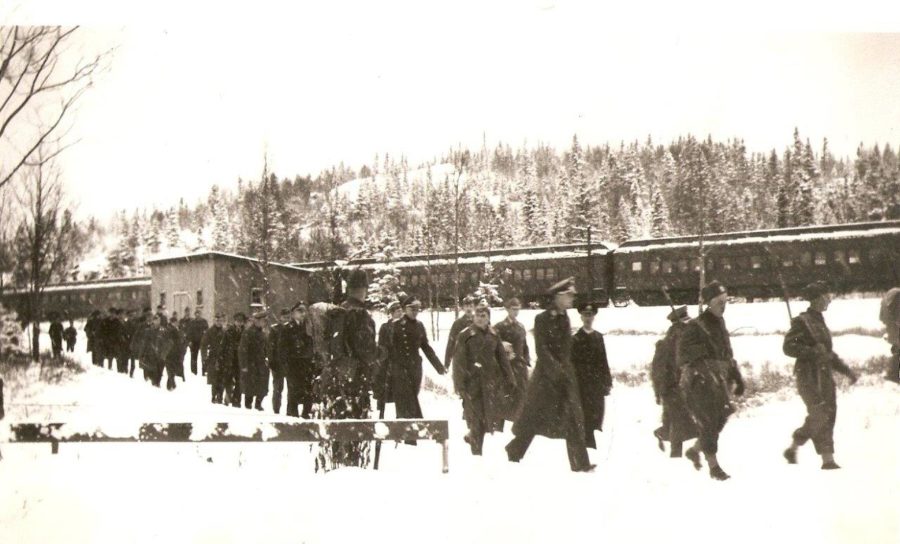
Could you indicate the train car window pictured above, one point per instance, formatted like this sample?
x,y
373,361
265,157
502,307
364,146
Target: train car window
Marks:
x,y
821,258
839,256
696,264
667,267
806,258
636,266
787,262
654,267
682,265
853,256
162,299
517,274
725,263
551,273
526,274
710,263
539,273
414,279
82,296
755,262
256,296
199,298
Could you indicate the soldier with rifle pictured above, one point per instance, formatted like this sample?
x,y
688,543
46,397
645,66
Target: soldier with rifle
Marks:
x,y
809,341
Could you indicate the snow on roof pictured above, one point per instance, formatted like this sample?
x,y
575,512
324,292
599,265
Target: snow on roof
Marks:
x,y
214,254
763,239
548,255
95,284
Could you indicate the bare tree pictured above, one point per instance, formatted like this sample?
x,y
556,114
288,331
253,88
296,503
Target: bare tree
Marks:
x,y
461,161
44,237
40,81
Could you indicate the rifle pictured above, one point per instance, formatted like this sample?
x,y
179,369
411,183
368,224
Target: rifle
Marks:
x,y
665,291
784,290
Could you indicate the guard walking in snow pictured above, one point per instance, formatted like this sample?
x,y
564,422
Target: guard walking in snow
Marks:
x,y
482,375
211,353
677,426
405,373
252,360
468,306
194,330
512,334
276,359
592,369
708,371
552,404
296,351
229,366
809,341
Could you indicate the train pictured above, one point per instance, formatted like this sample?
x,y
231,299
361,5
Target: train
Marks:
x,y
857,257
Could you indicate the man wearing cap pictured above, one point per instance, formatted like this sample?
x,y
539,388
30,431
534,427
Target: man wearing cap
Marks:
x,y
552,404
211,350
296,351
139,340
117,341
809,341
194,331
252,360
592,370
109,329
56,334
180,345
708,371
156,353
229,367
405,373
468,306
514,338
677,425
92,332
276,359
346,379
386,354
70,335
482,376
131,325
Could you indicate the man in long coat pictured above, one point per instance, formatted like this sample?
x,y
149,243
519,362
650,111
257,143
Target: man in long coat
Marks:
x,y
890,316
468,306
677,425
514,337
157,349
405,371
708,372
482,375
386,355
92,333
592,369
175,362
56,335
139,340
809,341
552,404
252,359
211,353
194,330
70,335
229,366
276,358
180,345
117,340
296,351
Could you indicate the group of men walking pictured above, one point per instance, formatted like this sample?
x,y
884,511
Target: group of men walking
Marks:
x,y
695,377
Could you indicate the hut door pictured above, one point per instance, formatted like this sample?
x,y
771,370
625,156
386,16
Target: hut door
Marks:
x,y
180,302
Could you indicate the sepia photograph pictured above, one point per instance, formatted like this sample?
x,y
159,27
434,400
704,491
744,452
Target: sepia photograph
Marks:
x,y
449,272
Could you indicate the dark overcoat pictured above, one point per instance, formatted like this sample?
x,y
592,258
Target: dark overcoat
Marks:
x,y
156,354
482,375
409,340
211,350
458,326
552,404
273,350
514,334
194,330
386,355
229,365
296,351
252,360
664,376
594,378
90,331
56,335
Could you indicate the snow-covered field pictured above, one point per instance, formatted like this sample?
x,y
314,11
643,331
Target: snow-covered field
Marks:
x,y
269,493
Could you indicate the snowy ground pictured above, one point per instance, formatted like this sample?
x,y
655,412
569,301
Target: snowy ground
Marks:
x,y
269,493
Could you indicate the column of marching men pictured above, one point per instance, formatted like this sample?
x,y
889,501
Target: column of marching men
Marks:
x,y
559,395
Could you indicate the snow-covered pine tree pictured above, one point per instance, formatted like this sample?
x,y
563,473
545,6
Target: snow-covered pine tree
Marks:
x,y
173,230
580,195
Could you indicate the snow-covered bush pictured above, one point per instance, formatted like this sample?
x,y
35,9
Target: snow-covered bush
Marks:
x,y
12,338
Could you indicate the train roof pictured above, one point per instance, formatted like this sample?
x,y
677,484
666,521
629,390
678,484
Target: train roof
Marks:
x,y
221,254
108,283
824,232
556,251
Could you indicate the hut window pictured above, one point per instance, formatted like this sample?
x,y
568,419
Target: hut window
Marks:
x,y
199,298
853,256
256,296
539,274
162,299
636,266
526,274
755,262
821,258
654,267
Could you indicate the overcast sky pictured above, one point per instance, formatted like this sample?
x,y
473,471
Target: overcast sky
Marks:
x,y
188,103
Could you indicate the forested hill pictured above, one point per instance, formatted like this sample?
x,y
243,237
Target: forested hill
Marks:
x,y
508,197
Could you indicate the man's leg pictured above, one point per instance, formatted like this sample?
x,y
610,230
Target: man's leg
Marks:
x,y
277,389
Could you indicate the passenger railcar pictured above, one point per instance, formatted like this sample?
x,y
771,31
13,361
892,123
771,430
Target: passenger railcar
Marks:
x,y
78,299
